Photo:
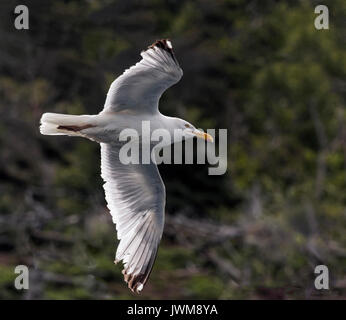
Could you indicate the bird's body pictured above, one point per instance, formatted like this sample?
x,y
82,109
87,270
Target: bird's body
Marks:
x,y
135,193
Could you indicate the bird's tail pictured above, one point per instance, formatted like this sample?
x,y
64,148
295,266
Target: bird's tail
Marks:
x,y
64,124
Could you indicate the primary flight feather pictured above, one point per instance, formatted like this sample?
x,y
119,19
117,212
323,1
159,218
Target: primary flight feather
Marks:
x,y
135,193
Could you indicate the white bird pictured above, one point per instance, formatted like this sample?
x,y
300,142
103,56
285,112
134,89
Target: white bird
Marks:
x,y
135,193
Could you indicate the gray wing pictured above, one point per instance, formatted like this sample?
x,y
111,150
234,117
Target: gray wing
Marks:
x,y
135,195
140,87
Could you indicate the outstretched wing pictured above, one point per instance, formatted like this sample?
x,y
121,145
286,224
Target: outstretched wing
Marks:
x,y
135,195
140,87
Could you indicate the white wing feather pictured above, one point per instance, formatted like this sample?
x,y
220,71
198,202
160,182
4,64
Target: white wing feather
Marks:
x,y
140,87
135,195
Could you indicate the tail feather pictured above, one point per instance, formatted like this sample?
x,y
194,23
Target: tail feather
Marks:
x,y
64,124
49,129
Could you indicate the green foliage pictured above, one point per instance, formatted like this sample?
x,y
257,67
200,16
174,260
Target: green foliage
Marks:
x,y
205,287
7,277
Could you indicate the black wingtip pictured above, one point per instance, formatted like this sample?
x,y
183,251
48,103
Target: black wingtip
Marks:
x,y
164,44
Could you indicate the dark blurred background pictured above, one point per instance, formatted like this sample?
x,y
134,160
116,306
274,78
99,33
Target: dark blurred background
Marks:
x,y
259,69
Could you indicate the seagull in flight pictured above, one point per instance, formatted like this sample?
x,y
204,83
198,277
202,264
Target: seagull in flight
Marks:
x,y
135,193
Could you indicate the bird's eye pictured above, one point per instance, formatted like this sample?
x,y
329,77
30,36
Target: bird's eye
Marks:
x,y
187,125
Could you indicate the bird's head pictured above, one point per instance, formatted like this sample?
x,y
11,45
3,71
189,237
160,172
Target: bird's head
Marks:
x,y
190,131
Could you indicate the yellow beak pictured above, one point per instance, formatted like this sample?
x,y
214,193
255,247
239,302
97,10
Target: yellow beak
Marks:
x,y
203,135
